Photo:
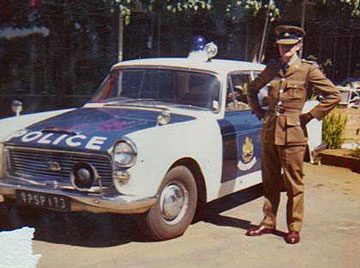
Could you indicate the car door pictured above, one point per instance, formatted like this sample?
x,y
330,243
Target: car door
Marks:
x,y
240,130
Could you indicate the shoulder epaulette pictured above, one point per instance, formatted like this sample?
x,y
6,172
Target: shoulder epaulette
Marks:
x,y
308,61
313,64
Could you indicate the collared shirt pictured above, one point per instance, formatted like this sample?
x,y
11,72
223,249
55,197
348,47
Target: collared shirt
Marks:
x,y
293,59
291,62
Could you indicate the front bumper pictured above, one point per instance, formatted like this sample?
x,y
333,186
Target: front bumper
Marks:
x,y
98,203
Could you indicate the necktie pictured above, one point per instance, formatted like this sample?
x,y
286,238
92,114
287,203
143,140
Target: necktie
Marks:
x,y
285,67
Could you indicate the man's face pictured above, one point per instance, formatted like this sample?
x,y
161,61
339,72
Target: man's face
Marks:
x,y
287,51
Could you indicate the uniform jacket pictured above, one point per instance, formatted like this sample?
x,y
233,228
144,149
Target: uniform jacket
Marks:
x,y
287,93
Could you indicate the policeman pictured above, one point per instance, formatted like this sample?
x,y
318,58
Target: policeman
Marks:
x,y
283,134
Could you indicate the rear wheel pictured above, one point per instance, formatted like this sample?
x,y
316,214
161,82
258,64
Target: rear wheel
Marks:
x,y
176,205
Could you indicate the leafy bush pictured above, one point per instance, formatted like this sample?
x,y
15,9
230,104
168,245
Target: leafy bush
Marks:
x,y
356,152
333,129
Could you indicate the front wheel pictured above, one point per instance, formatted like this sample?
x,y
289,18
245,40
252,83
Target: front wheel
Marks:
x,y
176,205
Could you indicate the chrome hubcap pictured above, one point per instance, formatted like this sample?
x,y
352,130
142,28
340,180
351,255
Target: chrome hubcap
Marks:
x,y
174,202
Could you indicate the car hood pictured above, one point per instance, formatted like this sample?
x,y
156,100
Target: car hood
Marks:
x,y
90,128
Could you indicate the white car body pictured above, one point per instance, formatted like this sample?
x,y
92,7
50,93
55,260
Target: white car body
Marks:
x,y
219,145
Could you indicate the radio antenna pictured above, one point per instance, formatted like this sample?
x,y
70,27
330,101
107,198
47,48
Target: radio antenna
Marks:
x,y
271,2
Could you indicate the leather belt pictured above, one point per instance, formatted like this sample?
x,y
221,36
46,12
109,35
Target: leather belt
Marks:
x,y
279,109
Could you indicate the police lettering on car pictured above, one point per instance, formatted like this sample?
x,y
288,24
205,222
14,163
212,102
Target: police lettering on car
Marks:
x,y
78,140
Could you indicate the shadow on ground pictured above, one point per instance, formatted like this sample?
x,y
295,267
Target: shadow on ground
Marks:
x,y
76,228
215,208
104,230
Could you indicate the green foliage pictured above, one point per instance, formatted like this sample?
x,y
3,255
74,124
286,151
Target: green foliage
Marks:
x,y
187,5
233,9
333,128
356,152
254,8
340,5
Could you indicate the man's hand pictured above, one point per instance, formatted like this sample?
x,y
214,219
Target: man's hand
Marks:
x,y
305,118
260,113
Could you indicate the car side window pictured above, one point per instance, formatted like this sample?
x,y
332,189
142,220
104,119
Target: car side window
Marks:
x,y
263,94
236,95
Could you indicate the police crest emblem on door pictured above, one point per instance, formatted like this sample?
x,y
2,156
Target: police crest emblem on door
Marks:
x,y
248,158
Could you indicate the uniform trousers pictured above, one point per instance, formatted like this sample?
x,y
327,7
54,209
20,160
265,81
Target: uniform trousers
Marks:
x,y
282,168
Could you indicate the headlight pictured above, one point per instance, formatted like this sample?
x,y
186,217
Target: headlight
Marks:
x,y
125,153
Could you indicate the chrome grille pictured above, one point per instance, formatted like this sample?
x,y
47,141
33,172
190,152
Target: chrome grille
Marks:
x,y
33,163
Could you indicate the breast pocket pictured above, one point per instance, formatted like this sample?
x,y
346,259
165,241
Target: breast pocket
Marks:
x,y
273,91
293,91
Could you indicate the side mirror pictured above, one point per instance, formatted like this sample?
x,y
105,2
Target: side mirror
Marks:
x,y
17,107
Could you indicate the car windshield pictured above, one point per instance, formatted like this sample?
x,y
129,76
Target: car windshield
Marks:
x,y
160,85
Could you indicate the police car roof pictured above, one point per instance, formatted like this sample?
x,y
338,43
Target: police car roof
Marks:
x,y
215,65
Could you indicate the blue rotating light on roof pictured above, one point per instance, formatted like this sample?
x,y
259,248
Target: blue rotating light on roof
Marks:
x,y
198,43
202,52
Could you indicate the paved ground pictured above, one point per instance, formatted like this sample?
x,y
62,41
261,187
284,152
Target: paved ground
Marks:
x,y
330,236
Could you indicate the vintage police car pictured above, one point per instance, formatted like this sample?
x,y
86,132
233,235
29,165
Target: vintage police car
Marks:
x,y
160,137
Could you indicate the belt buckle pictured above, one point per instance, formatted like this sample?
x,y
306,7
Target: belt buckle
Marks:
x,y
279,110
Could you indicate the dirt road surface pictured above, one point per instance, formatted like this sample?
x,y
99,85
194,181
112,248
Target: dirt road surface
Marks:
x,y
330,236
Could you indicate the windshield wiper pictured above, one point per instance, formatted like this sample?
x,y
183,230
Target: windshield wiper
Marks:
x,y
142,99
140,102
191,106
133,101
118,99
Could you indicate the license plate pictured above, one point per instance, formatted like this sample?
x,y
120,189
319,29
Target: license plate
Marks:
x,y
43,200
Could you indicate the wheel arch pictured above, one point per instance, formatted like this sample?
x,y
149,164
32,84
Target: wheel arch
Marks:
x,y
195,169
